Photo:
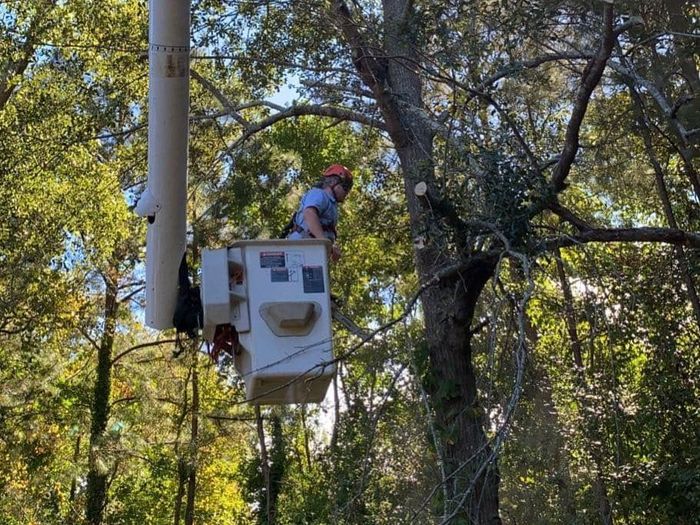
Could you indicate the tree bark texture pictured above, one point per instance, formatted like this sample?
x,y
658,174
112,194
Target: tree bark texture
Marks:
x,y
182,461
97,469
272,464
278,466
264,460
181,482
192,464
552,434
471,471
591,428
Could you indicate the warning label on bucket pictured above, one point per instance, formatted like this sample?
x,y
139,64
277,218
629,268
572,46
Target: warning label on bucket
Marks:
x,y
313,279
272,260
279,275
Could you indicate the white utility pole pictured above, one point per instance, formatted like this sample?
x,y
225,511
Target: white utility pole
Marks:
x,y
164,201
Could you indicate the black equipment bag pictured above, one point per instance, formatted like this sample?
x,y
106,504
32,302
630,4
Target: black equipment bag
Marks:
x,y
189,315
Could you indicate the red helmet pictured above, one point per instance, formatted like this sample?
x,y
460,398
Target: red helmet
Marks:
x,y
338,170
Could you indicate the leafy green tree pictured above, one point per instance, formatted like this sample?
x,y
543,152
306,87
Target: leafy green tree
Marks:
x,y
486,122
512,161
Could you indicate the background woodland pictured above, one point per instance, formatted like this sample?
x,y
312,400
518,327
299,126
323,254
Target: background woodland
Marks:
x,y
523,343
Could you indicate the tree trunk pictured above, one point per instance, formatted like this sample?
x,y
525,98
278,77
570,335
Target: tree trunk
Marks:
x,y
192,464
547,414
75,512
591,429
448,307
182,461
662,191
278,466
307,432
448,310
273,465
469,464
97,469
264,462
181,482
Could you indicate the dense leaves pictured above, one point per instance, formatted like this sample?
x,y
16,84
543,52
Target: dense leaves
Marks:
x,y
583,359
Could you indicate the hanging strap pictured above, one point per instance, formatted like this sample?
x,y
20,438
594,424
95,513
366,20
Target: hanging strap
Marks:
x,y
189,315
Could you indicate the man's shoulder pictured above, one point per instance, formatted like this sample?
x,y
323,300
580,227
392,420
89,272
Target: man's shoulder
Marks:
x,y
316,191
316,196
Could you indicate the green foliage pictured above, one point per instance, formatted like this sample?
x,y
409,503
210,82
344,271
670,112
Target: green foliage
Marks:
x,y
72,161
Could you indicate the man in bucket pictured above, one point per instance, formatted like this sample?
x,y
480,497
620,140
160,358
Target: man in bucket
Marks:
x,y
317,215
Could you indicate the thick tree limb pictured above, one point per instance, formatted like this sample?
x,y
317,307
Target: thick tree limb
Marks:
x,y
659,235
373,69
569,217
301,110
591,77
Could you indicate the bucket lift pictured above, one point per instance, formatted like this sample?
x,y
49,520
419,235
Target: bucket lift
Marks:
x,y
274,293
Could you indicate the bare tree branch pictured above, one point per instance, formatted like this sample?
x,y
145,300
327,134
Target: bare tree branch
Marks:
x,y
218,95
301,110
660,235
220,417
131,294
348,323
666,107
591,77
141,346
569,217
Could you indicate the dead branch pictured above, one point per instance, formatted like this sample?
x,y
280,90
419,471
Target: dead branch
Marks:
x,y
301,110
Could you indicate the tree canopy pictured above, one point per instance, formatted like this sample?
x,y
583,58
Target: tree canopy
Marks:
x,y
519,320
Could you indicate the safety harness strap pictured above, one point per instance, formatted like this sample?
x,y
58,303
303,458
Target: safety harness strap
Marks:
x,y
326,228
